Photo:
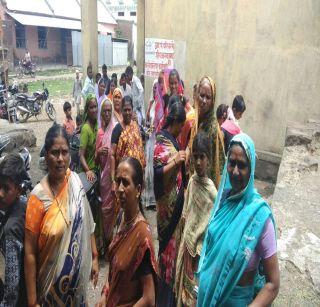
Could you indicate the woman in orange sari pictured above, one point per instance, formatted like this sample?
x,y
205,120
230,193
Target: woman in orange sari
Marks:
x,y
132,271
60,248
126,139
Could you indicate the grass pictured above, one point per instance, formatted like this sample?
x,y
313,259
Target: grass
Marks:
x,y
56,87
55,72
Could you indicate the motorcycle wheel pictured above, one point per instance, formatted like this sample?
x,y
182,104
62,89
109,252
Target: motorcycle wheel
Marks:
x,y
22,116
51,112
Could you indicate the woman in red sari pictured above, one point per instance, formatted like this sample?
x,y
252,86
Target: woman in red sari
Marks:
x,y
103,159
132,271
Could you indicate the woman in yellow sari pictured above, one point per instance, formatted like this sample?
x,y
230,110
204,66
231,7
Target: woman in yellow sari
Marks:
x,y
60,249
206,121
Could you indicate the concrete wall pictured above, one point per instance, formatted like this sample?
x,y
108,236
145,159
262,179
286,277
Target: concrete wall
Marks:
x,y
268,51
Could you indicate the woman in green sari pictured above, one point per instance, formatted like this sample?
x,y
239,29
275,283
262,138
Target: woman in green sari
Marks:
x,y
240,238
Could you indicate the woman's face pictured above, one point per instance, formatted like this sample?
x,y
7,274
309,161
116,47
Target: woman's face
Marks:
x,y
92,109
102,88
117,102
126,191
127,112
205,98
238,169
106,112
174,84
58,158
112,87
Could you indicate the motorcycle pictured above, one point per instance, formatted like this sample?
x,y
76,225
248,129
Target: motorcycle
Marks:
x,y
24,69
32,106
25,156
7,104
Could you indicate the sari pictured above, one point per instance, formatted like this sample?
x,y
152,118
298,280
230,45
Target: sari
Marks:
x,y
127,252
108,206
130,144
100,100
64,226
199,200
159,106
233,233
169,193
210,127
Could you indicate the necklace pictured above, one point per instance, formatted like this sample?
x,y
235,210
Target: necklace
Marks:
x,y
59,205
128,223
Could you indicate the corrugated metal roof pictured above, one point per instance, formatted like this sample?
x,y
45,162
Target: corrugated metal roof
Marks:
x,y
59,8
53,22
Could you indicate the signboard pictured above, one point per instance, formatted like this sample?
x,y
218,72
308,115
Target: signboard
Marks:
x,y
159,54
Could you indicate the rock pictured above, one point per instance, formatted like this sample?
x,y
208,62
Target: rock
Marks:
x,y
297,137
20,135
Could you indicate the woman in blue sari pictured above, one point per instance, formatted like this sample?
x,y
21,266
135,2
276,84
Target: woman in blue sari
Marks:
x,y
240,236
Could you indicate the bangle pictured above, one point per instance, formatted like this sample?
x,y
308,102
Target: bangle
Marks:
x,y
105,290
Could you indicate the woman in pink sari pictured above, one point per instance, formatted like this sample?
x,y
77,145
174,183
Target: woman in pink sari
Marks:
x,y
103,159
101,96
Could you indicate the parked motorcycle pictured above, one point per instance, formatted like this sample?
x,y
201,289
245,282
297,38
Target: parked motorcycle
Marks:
x,y
7,104
32,106
26,157
24,70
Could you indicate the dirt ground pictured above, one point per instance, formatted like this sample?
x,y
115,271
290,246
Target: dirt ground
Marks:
x,y
40,127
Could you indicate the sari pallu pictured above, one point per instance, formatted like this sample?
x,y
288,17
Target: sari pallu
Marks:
x,y
108,207
232,236
169,193
130,144
199,200
210,127
64,262
127,251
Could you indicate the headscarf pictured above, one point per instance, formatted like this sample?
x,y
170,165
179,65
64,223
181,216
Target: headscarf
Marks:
x,y
234,230
116,92
211,127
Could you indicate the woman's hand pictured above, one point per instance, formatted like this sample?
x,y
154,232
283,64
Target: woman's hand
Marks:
x,y
91,176
103,151
180,157
102,302
95,271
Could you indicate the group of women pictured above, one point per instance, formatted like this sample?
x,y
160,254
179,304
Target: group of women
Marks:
x,y
217,243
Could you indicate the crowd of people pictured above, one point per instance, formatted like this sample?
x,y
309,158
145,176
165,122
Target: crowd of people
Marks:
x,y
185,158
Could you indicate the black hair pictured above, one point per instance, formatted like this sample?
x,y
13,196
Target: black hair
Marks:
x,y
78,118
176,113
201,144
55,131
125,99
222,109
114,75
123,75
102,80
89,67
104,66
12,168
238,104
66,106
129,70
137,177
97,75
174,72
114,81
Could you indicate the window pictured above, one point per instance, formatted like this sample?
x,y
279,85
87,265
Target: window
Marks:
x,y
42,37
120,13
133,13
20,35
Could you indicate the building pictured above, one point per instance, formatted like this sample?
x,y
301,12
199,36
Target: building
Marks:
x,y
268,51
47,27
123,9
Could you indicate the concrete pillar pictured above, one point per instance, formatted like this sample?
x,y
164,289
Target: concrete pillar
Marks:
x,y
89,30
140,35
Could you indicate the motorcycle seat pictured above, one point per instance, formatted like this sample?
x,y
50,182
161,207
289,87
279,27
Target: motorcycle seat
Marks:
x,y
31,99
